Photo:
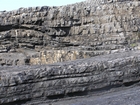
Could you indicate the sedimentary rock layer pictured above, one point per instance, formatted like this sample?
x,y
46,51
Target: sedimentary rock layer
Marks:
x,y
123,96
24,84
46,35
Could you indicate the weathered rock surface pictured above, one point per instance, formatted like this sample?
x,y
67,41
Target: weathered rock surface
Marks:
x,y
54,34
38,84
123,96
30,38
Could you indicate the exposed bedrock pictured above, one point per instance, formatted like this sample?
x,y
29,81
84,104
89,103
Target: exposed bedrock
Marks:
x,y
99,39
44,35
45,83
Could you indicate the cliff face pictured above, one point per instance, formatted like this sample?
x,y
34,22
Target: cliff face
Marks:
x,y
44,35
34,85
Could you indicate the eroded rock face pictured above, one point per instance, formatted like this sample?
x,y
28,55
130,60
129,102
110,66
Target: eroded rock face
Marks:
x,y
37,84
46,35
70,32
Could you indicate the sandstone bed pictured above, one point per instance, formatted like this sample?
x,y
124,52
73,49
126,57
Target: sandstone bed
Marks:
x,y
49,54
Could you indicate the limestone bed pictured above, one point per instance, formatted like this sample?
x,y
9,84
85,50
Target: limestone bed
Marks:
x,y
53,53
69,79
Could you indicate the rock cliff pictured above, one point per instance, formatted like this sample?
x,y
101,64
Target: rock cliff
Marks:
x,y
45,35
98,39
44,84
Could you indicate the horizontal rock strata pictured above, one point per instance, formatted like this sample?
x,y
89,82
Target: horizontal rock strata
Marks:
x,y
123,96
103,32
25,84
81,30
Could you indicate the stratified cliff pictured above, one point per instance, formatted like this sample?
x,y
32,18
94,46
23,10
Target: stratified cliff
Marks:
x,y
48,83
99,39
45,35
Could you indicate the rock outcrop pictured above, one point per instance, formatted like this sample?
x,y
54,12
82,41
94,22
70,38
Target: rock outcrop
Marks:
x,y
98,39
38,84
46,35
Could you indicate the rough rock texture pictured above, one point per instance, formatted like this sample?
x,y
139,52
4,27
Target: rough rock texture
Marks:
x,y
123,96
38,84
45,35
102,32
